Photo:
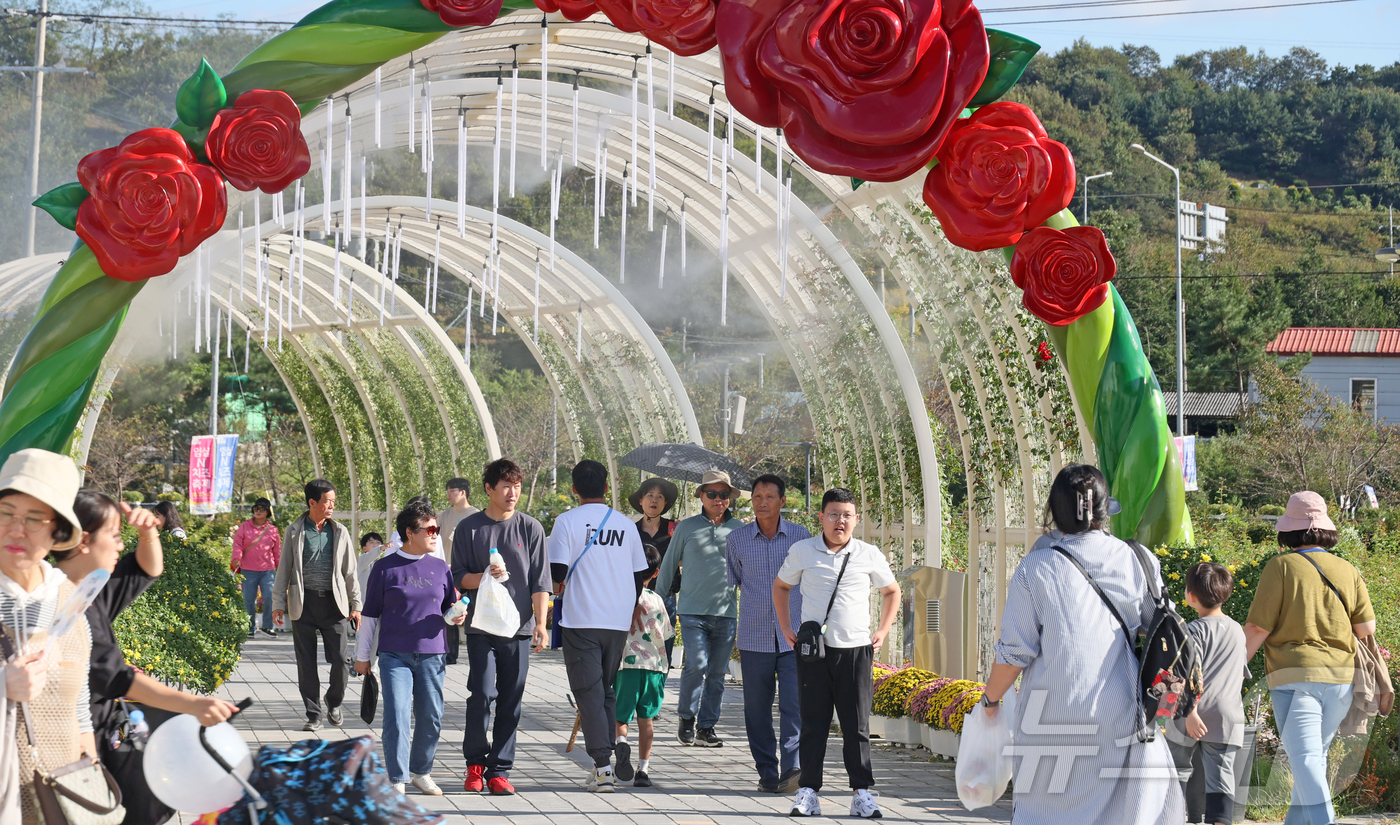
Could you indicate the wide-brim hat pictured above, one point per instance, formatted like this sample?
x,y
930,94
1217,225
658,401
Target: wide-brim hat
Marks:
x,y
667,488
49,477
1305,511
713,477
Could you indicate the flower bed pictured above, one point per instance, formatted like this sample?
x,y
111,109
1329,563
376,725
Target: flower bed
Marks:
x,y
913,706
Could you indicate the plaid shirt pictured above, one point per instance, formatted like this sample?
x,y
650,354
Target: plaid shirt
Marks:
x,y
754,561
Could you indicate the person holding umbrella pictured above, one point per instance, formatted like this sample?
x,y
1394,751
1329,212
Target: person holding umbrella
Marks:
x,y
708,607
654,498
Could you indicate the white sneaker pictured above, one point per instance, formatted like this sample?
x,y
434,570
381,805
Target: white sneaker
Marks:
x,y
863,804
602,781
425,783
398,786
806,803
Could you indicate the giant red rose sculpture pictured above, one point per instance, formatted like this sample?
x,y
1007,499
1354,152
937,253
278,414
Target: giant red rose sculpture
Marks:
x,y
458,13
865,88
574,10
998,176
686,27
258,143
149,203
1063,275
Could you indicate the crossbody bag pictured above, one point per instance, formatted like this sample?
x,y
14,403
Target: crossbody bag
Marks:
x,y
811,636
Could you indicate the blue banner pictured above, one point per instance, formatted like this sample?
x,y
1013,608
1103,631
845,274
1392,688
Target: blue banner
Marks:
x,y
225,456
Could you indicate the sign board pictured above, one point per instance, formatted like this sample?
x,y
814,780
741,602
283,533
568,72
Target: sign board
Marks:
x,y
1371,496
1186,452
212,460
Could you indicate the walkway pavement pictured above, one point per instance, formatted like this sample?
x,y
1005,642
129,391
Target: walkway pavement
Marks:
x,y
694,786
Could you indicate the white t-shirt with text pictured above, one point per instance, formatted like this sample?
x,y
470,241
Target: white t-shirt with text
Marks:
x,y
603,590
813,567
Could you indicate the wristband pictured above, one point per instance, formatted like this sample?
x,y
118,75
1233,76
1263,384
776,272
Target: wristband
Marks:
x,y
986,703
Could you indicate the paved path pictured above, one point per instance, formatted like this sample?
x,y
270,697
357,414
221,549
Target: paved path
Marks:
x,y
694,786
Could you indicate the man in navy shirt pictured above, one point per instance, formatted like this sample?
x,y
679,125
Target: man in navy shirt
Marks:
x,y
499,664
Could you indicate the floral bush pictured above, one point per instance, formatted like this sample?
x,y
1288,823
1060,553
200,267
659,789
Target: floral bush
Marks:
x,y
890,696
924,697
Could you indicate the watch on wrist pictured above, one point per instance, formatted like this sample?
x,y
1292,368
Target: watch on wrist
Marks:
x,y
987,703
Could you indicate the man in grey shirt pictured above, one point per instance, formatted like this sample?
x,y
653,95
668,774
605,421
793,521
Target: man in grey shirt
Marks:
x,y
1216,724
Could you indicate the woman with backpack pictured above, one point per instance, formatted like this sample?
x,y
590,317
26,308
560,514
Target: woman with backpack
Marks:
x,y
1309,610
1077,710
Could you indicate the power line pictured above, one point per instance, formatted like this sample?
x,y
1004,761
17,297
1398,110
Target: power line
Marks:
x,y
1250,275
1085,5
136,18
1177,13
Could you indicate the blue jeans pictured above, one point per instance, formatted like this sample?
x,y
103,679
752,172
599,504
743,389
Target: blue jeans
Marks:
x,y
412,685
497,668
252,580
1308,714
763,672
708,642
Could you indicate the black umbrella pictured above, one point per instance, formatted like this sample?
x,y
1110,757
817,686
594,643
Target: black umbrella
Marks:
x,y
685,462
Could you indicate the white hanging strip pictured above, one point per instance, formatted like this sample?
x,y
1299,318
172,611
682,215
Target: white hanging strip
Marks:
x,y
467,330
555,177
282,282
787,230
437,259
230,320
661,270
651,141
514,114
247,348
276,214
671,85
778,150
684,198
425,123
635,103
301,249
199,304
242,257
265,305
496,147
724,261
257,213
427,149
335,292
496,297
726,149
412,100
578,335
347,178
383,275
378,83
757,159
576,77
544,92
208,296
326,182
394,285
485,282
429,135
599,183
350,301
710,149
257,274
214,357
622,254
536,331
364,209
461,171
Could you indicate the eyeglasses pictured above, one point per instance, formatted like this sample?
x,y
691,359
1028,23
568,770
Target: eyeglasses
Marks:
x,y
431,529
33,525
714,494
840,517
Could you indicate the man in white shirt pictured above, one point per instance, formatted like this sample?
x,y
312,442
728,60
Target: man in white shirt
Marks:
x,y
596,554
836,571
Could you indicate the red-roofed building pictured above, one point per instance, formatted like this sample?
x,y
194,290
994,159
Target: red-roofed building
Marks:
x,y
1358,365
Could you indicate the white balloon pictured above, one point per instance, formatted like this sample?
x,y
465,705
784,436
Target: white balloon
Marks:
x,y
184,776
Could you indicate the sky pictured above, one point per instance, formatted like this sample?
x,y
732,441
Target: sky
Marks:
x,y
1349,32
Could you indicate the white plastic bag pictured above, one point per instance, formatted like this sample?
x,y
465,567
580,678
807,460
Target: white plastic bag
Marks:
x,y
984,767
496,612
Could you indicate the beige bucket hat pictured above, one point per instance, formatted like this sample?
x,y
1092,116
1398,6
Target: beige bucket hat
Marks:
x,y
715,477
1305,511
49,477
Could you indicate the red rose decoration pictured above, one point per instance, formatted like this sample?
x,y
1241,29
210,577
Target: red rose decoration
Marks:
x,y
863,88
574,10
686,27
998,176
258,144
459,13
1063,275
149,203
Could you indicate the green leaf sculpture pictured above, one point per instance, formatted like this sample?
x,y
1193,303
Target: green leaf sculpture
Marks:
x,y
62,203
1010,55
201,97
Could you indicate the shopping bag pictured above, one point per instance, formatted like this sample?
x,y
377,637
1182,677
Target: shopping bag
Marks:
x,y
369,697
984,763
496,612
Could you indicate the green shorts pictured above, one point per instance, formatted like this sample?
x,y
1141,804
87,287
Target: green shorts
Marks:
x,y
639,693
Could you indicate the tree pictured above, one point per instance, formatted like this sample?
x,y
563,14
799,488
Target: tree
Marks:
x,y
123,450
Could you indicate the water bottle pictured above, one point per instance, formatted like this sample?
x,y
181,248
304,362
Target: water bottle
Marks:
x,y
497,559
138,723
457,609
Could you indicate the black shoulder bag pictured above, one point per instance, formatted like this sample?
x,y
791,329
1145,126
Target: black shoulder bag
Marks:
x,y
1326,581
811,645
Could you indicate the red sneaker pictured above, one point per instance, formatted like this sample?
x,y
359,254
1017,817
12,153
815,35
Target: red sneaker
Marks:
x,y
500,786
474,774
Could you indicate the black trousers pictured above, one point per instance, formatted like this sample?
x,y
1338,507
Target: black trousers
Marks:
x,y
454,644
841,683
320,616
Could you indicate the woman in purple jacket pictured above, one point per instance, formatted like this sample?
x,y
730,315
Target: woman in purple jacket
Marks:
x,y
405,599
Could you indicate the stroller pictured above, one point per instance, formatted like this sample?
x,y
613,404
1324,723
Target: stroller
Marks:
x,y
317,782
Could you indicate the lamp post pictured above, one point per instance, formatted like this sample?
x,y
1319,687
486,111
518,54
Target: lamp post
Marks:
x,y
1180,306
1086,192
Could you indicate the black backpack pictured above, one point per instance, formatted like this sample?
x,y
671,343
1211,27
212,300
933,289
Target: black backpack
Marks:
x,y
1169,665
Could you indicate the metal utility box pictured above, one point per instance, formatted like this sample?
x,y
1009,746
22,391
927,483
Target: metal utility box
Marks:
x,y
935,608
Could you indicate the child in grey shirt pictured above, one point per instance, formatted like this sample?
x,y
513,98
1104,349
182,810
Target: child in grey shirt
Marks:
x,y
1216,724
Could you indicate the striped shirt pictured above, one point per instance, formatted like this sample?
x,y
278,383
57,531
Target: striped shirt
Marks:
x,y
753,562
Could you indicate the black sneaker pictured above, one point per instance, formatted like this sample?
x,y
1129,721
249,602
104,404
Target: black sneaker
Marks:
x,y
312,725
705,738
788,782
335,716
642,780
769,785
267,631
685,734
623,769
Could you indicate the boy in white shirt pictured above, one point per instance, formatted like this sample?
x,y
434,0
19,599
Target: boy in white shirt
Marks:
x,y
641,680
836,571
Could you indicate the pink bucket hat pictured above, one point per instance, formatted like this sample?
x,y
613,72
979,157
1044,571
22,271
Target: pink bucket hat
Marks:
x,y
1306,510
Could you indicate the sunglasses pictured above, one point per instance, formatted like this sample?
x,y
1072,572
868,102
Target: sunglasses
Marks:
x,y
431,529
714,494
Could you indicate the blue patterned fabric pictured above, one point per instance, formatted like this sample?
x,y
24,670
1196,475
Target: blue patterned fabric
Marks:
x,y
317,782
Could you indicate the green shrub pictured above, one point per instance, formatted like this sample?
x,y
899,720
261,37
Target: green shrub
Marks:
x,y
175,497
1271,510
189,627
133,496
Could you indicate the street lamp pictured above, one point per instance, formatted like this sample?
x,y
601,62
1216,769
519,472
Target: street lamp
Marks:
x,y
1086,193
1180,306
1389,255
